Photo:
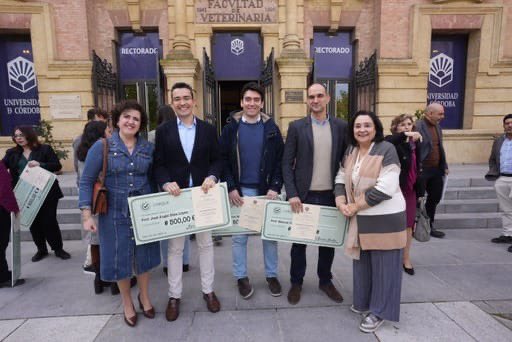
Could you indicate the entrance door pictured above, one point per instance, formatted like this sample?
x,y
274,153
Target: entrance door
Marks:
x,y
139,71
229,99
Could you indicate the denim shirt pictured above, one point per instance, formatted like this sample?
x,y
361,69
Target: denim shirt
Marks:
x,y
127,174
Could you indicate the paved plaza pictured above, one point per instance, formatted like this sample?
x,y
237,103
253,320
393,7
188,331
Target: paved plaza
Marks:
x,y
461,292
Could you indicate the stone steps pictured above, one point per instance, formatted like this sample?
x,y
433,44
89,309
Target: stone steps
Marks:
x,y
467,220
468,206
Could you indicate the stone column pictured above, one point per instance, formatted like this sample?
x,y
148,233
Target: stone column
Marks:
x,y
294,67
180,65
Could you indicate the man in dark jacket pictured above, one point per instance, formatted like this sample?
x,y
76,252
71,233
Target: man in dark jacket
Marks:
x,y
252,149
500,170
313,150
433,160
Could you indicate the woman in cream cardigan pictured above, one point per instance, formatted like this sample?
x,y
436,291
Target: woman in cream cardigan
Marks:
x,y
367,190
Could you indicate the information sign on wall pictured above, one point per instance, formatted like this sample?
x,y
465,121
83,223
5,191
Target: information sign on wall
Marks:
x,y
236,11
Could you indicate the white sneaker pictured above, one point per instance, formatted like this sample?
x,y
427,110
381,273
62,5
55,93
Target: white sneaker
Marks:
x,y
359,312
370,323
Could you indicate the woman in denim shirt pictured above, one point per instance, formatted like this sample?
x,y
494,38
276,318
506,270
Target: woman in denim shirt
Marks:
x,y
128,174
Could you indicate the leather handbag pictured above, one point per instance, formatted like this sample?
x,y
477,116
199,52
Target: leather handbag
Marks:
x,y
100,192
422,229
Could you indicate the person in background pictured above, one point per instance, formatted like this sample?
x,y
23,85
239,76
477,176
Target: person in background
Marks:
x,y
93,131
164,114
128,174
368,192
8,205
500,170
93,114
29,151
433,161
406,142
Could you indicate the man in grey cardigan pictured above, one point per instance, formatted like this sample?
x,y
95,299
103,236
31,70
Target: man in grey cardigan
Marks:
x,y
500,170
433,160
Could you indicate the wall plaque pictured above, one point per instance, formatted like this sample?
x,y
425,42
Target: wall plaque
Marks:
x,y
236,11
65,106
294,96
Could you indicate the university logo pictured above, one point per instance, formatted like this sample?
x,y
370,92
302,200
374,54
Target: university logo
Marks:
x,y
237,47
441,70
21,73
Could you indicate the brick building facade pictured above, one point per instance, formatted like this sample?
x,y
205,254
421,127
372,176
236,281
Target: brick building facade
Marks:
x,y
382,55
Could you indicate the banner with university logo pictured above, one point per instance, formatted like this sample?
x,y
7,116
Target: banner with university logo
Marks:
x,y
237,56
138,56
446,80
18,84
332,55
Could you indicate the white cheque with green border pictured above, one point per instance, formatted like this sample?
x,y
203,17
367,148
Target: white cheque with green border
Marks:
x,y
31,191
162,216
277,225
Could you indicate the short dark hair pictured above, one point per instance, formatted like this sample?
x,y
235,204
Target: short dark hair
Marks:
x,y
127,105
506,117
321,84
165,113
379,130
102,113
93,131
30,135
181,85
254,87
91,113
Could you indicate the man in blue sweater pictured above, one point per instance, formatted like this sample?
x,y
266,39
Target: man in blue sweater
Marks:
x,y
252,149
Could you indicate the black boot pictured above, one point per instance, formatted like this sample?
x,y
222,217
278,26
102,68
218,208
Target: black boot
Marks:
x,y
98,284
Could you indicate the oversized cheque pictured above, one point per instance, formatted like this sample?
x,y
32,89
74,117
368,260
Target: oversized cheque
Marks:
x,y
235,229
31,191
330,228
162,216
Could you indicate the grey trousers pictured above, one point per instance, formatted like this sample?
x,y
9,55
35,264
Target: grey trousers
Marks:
x,y
378,283
503,186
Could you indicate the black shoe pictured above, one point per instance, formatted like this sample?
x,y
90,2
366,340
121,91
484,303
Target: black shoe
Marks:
x,y
186,268
98,284
274,286
436,233
7,283
40,255
89,269
509,249
502,239
60,253
114,289
409,271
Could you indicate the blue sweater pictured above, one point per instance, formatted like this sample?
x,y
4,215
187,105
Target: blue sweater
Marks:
x,y
251,147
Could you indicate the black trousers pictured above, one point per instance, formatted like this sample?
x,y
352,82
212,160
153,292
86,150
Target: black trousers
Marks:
x,y
325,254
46,228
5,232
432,179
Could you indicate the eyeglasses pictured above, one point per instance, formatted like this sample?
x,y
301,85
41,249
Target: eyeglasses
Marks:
x,y
19,135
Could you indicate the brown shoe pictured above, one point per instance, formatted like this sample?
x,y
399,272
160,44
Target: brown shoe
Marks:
x,y
244,288
173,309
212,303
274,286
294,294
331,292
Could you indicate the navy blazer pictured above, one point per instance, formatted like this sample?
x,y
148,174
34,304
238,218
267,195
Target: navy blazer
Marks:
x,y
170,161
298,154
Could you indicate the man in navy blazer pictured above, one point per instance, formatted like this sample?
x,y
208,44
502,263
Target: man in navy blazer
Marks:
x,y
186,155
313,150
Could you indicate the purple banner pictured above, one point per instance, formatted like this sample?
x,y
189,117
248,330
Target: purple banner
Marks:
x,y
446,80
138,56
237,57
332,55
18,84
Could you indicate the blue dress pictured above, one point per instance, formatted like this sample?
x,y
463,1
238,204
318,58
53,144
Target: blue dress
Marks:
x,y
127,175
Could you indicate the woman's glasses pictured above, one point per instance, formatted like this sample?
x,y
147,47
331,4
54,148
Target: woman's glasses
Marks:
x,y
19,135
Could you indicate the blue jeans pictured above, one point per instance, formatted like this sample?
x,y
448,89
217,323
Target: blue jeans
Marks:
x,y
239,249
186,251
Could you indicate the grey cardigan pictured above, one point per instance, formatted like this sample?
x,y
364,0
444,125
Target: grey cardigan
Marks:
x,y
494,159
